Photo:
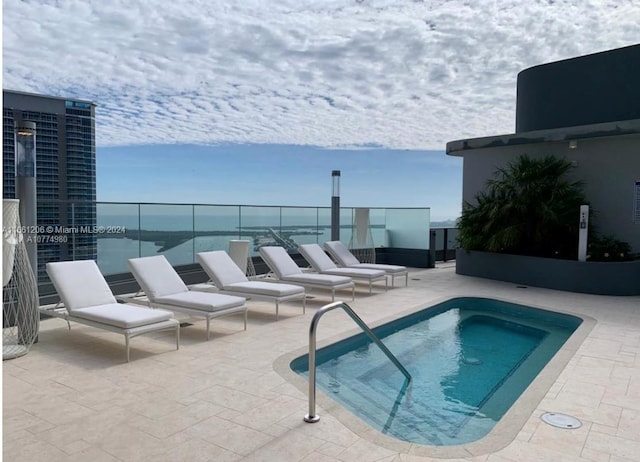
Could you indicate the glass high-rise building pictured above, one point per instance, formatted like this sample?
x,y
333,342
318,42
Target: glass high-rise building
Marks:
x,y
65,171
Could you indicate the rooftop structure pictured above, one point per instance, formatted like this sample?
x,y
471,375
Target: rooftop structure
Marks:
x,y
65,164
583,109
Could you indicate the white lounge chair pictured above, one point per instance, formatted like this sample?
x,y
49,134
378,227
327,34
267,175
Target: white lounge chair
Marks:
x,y
345,258
287,270
321,263
230,280
164,288
88,300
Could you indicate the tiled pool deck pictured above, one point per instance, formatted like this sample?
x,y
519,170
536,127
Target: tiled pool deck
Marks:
x,y
73,398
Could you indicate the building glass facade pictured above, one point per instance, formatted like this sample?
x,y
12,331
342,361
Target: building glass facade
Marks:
x,y
65,169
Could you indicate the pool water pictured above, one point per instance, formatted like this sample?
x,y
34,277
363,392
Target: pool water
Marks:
x,y
470,359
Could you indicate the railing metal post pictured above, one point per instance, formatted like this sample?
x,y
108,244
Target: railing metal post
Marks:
x,y
312,417
139,230
446,239
432,249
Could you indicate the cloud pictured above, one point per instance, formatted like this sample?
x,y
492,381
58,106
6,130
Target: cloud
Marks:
x,y
398,74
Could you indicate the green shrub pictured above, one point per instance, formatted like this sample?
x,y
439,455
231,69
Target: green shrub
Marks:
x,y
529,208
607,248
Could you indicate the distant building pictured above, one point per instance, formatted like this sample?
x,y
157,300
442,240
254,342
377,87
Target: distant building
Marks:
x,y
65,169
585,110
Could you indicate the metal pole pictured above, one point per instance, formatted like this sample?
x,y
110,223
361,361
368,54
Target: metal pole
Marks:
x,y
446,241
25,161
312,417
25,164
432,249
335,205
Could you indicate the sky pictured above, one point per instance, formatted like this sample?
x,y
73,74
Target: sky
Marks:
x,y
256,102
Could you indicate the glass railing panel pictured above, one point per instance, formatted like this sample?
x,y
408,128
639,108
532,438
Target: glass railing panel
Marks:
x,y
365,228
300,224
378,227
445,241
112,233
324,224
120,239
261,226
408,228
452,241
167,229
215,226
347,217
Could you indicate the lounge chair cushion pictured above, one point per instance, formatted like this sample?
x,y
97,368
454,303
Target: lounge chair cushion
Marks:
x,y
202,301
265,288
220,268
279,261
122,315
319,260
156,276
79,284
341,254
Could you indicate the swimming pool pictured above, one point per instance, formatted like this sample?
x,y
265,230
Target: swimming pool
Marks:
x,y
470,359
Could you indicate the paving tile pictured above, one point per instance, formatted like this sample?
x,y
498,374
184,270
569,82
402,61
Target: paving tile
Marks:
x,y
364,451
595,456
30,448
568,441
616,446
292,446
176,421
629,427
132,445
234,437
521,451
73,398
319,457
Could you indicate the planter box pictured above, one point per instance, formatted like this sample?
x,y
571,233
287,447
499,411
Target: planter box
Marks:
x,y
602,278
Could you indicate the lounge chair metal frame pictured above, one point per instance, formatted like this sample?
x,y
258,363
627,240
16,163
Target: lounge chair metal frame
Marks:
x,y
301,279
229,267
86,298
321,263
348,260
208,315
60,311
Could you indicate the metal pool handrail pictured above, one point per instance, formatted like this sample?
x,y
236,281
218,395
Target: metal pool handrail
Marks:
x,y
312,417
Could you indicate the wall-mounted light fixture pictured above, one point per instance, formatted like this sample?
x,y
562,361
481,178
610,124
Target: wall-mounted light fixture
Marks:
x,y
573,144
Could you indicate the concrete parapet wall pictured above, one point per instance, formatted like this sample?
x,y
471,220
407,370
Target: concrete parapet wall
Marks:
x,y
602,278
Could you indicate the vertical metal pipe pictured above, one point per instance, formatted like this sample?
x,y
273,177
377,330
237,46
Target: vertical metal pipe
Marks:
x,y
432,249
26,189
446,241
73,236
312,417
139,230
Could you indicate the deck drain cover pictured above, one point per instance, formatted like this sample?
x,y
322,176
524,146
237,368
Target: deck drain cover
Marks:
x,y
561,420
